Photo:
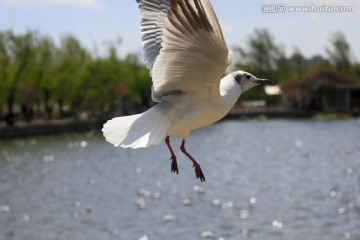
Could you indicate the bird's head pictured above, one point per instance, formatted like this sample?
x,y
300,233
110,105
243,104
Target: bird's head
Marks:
x,y
246,80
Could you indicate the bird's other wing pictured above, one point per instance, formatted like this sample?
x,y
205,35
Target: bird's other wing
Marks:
x,y
184,48
153,14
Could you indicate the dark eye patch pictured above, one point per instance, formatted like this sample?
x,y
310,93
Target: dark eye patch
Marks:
x,y
247,77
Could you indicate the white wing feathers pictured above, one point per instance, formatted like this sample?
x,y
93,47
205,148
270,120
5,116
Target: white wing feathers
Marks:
x,y
153,14
184,48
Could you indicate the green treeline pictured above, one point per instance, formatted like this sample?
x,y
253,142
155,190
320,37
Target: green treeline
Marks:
x,y
265,58
41,79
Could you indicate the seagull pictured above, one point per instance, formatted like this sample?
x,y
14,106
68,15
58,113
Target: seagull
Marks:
x,y
186,53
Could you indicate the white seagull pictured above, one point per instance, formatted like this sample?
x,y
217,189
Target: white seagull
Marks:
x,y
186,53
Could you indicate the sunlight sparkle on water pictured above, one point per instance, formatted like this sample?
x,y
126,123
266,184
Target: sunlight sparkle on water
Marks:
x,y
277,224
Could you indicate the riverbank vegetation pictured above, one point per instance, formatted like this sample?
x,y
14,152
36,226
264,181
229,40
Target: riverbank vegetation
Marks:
x,y
43,80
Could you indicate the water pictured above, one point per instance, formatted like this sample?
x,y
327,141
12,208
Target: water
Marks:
x,y
265,180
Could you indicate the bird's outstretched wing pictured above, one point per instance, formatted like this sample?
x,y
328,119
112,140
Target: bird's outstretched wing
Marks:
x,y
184,48
153,14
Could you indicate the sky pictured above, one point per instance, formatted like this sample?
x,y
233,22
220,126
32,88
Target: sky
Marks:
x,y
96,23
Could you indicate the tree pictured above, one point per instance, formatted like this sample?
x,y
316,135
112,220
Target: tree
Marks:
x,y
138,80
20,54
297,63
71,66
44,73
339,54
4,65
263,58
110,82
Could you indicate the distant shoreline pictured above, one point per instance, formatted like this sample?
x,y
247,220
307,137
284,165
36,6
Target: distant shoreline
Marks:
x,y
76,126
56,127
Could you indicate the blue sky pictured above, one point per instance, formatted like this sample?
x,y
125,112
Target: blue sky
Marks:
x,y
98,22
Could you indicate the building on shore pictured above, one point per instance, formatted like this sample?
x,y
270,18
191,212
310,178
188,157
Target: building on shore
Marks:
x,y
325,91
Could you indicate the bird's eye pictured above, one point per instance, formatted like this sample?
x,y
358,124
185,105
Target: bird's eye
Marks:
x,y
247,77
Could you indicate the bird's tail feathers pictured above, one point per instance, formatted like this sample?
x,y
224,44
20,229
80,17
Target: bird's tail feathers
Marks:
x,y
137,131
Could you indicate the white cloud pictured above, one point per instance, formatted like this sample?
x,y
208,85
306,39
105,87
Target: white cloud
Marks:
x,y
85,3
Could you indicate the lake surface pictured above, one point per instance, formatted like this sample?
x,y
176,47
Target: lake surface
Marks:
x,y
276,179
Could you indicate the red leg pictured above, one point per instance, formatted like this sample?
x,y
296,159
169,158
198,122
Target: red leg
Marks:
x,y
174,167
198,172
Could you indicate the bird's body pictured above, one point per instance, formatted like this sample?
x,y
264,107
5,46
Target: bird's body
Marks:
x,y
187,57
190,116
